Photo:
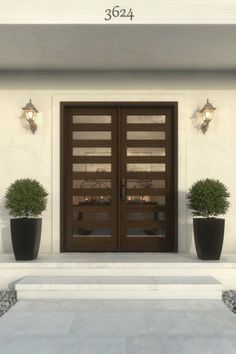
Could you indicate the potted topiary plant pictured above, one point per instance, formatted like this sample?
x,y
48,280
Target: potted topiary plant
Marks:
x,y
26,199
208,198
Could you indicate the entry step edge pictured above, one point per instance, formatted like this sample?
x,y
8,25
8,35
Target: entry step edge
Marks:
x,y
113,280
119,287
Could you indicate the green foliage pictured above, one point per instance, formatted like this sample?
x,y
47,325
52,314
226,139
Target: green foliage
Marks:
x,y
208,198
26,198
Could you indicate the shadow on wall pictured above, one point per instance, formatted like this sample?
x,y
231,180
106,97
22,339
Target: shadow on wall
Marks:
x,y
197,119
5,232
185,222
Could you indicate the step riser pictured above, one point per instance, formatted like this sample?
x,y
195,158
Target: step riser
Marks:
x,y
125,287
215,294
10,275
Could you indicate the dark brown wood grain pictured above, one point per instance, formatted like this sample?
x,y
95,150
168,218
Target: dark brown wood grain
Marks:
x,y
77,234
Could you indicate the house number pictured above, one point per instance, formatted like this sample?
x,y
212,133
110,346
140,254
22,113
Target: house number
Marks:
x,y
116,11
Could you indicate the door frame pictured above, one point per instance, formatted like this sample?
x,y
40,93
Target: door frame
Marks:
x,y
173,106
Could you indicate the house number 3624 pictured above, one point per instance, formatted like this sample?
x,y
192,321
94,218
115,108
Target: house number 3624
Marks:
x,y
116,11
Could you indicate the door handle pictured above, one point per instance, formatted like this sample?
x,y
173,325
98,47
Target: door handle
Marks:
x,y
123,188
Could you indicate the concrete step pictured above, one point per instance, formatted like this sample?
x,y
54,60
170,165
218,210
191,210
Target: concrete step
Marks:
x,y
119,287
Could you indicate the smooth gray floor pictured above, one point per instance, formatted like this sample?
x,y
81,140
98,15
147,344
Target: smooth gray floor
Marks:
x,y
118,327
112,259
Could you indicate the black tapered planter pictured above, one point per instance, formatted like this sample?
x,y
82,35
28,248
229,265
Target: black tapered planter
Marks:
x,y
26,235
208,236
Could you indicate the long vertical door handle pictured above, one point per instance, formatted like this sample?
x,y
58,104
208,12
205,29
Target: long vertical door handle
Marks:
x,y
123,188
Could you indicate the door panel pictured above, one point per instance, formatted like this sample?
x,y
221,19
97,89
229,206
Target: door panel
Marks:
x,y
91,195
118,179
144,207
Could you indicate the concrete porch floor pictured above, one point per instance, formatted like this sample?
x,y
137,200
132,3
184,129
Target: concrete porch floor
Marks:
x,y
119,257
117,264
118,327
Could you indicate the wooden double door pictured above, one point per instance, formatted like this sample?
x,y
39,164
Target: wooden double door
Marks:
x,y
118,177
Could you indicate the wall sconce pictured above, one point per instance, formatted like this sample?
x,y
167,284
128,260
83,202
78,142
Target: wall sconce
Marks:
x,y
207,112
30,113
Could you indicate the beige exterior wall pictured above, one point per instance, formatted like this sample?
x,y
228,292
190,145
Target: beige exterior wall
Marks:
x,y
37,156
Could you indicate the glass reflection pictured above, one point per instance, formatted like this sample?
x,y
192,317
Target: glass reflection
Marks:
x,y
145,200
91,167
92,184
157,232
145,183
146,167
89,232
79,151
91,200
132,151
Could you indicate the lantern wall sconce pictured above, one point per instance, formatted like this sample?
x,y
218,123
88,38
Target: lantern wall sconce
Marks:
x,y
30,113
207,113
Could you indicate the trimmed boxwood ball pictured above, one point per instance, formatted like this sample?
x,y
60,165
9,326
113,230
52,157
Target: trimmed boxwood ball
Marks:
x,y
26,198
208,198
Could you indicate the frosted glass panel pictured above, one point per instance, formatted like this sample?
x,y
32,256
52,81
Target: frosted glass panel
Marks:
x,y
82,232
146,119
91,167
145,200
145,183
79,151
91,135
146,167
139,151
95,184
91,200
132,135
159,232
85,119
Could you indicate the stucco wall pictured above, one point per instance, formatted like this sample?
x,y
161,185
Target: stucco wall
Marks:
x,y
37,156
